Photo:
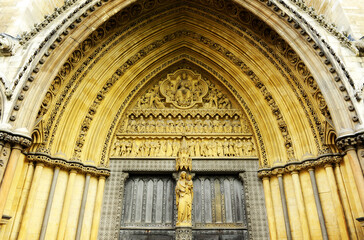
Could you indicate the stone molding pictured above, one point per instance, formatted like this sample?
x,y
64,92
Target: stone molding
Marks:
x,y
292,167
64,164
14,138
352,141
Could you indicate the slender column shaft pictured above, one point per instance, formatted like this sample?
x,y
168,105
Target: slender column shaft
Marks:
x,y
82,209
66,205
8,176
284,205
337,203
318,204
301,205
49,204
97,208
270,209
23,200
357,173
30,203
345,202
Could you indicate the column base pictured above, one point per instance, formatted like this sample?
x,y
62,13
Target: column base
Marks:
x,y
183,233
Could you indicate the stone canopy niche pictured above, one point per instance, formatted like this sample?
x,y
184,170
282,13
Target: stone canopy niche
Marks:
x,y
184,105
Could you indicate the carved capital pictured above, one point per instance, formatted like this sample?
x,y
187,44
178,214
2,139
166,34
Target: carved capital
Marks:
x,y
64,164
13,138
350,142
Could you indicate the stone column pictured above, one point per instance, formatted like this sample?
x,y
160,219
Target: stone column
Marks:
x,y
49,204
357,172
66,205
318,204
8,176
22,202
300,205
25,225
337,203
270,209
345,202
83,204
284,206
97,208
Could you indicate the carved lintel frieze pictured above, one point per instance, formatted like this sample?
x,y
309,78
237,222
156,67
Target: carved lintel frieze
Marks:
x,y
295,167
64,164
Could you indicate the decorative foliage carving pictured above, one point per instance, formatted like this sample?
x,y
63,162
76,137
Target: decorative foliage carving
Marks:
x,y
8,44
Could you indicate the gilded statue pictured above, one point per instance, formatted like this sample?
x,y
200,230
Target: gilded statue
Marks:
x,y
184,198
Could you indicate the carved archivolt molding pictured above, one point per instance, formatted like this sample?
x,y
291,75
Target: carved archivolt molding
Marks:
x,y
67,165
300,166
70,67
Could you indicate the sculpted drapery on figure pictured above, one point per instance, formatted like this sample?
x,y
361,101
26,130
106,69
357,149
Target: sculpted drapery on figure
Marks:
x,y
184,198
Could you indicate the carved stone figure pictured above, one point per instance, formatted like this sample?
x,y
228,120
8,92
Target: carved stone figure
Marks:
x,y
207,125
219,149
184,161
180,125
183,89
224,102
198,124
116,149
189,124
150,124
141,125
236,126
249,147
160,125
175,147
227,125
184,198
170,128
169,150
131,124
216,125
134,148
184,95
197,148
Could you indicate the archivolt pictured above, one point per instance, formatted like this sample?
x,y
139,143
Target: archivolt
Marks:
x,y
241,23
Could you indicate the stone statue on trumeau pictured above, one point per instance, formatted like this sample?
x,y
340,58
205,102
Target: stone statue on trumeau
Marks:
x,y
184,198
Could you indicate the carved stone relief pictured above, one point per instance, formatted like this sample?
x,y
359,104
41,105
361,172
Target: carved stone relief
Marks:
x,y
184,105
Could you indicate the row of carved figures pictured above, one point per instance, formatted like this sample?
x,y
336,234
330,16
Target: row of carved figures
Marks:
x,y
185,125
196,148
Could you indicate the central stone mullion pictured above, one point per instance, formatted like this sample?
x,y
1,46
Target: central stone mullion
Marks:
x,y
184,193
